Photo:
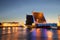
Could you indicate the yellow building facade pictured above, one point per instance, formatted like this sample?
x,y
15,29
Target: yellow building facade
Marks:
x,y
10,24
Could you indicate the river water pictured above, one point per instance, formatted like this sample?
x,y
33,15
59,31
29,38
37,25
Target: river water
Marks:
x,y
18,33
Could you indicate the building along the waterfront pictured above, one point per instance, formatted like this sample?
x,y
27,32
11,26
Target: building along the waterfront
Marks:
x,y
10,23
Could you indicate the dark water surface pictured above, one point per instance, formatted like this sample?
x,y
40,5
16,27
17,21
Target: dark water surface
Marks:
x,y
18,33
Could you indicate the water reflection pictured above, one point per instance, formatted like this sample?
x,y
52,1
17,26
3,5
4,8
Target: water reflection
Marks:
x,y
49,35
38,34
18,33
58,31
43,34
29,35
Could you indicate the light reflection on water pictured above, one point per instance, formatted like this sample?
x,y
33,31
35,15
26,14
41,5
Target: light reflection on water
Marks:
x,y
18,33
58,34
49,35
38,34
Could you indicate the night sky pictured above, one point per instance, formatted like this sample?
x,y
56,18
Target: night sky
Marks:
x,y
16,10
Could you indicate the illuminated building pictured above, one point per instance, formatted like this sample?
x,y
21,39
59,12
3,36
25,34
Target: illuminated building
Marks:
x,y
59,20
10,24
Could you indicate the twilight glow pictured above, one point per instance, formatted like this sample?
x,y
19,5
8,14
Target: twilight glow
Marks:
x,y
16,10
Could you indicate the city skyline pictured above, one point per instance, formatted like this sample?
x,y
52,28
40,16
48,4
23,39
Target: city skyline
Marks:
x,y
16,10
